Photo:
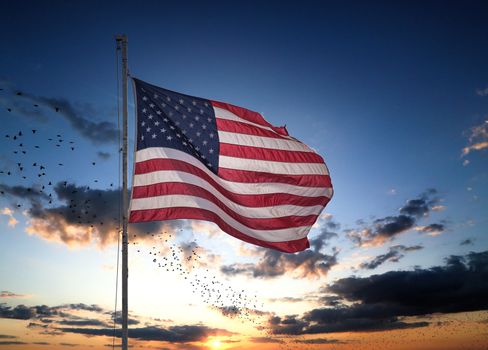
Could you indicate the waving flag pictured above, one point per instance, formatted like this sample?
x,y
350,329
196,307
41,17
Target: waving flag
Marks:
x,y
208,160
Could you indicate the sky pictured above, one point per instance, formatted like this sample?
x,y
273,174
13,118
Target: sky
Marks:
x,y
394,96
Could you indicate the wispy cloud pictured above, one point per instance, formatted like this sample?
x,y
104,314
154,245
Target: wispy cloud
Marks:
x,y
477,139
394,254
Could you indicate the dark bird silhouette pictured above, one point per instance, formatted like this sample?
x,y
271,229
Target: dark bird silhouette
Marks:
x,y
19,93
9,109
34,131
57,109
93,163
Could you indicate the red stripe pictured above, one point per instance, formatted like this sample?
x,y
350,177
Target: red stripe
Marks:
x,y
247,176
252,201
231,175
277,223
202,214
243,128
249,115
275,155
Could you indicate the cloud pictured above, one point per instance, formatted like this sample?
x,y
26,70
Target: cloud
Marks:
x,y
388,228
97,132
382,302
266,340
482,92
174,334
103,155
432,229
12,221
308,263
84,215
467,241
320,341
5,336
20,312
477,139
394,254
7,294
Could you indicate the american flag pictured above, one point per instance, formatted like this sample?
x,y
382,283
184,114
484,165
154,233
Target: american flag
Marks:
x,y
207,160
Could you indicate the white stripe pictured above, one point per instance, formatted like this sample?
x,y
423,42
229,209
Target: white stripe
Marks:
x,y
222,113
253,212
272,167
236,187
161,202
262,142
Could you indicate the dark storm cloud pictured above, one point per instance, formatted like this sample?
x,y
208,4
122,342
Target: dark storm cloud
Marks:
x,y
97,132
308,263
394,254
381,302
20,312
23,192
12,342
83,322
175,334
387,228
84,216
5,336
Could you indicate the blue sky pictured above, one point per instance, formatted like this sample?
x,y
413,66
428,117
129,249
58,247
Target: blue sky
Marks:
x,y
390,93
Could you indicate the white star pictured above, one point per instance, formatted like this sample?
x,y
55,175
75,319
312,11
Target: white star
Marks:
x,y
183,132
191,125
198,133
178,135
204,126
183,116
181,101
163,104
168,98
148,129
203,156
206,104
197,117
165,120
205,142
177,123
163,130
169,138
153,136
142,137
151,105
171,127
197,148
209,120
156,123
194,102
150,116
144,98
158,112
155,95
190,140
188,109
211,135
143,123
211,151
209,164
144,110
170,113
177,107
184,143
201,111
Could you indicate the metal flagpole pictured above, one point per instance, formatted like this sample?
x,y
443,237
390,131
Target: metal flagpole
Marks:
x,y
125,195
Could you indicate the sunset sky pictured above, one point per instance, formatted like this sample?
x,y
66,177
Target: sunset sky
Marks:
x,y
393,95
